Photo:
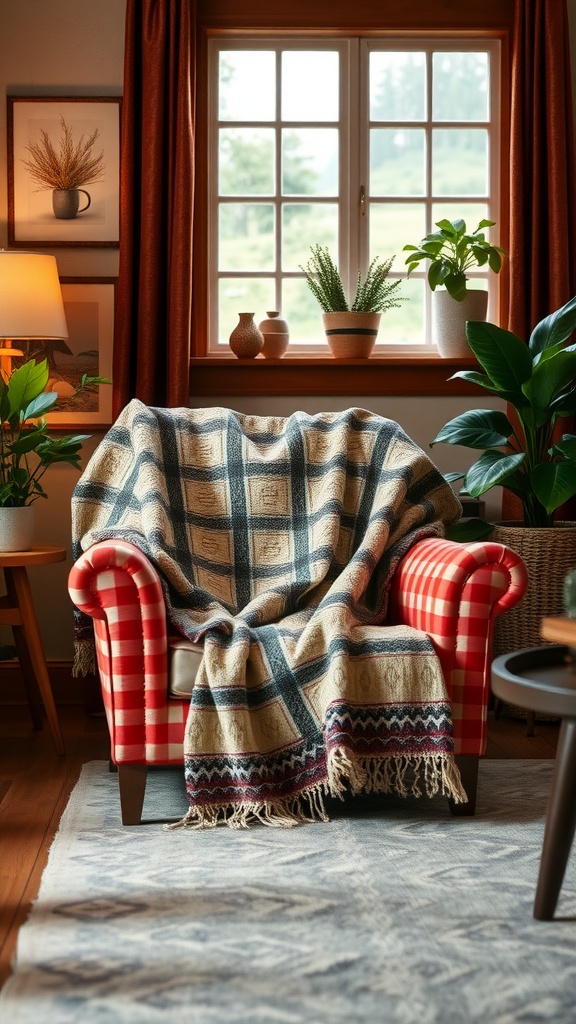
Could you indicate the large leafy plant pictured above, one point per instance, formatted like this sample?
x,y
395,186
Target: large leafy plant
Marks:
x,y
374,293
539,381
26,449
452,251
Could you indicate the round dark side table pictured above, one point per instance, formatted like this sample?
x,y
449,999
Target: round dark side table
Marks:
x,y
544,679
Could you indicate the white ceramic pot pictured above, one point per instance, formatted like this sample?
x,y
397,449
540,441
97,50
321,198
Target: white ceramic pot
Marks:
x,y
449,320
17,528
351,335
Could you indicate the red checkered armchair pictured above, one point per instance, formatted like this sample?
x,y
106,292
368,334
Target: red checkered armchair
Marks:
x,y
453,592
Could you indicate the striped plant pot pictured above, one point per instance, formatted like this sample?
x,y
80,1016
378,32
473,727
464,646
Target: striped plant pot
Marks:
x,y
351,335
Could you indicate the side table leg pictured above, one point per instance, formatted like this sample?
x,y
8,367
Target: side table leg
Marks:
x,y
31,633
560,824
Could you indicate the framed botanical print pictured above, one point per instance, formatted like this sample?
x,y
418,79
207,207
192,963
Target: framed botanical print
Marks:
x,y
63,171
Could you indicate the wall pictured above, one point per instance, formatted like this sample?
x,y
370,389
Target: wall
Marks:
x,y
75,47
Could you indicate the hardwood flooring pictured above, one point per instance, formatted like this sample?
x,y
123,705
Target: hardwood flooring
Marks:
x,y
35,785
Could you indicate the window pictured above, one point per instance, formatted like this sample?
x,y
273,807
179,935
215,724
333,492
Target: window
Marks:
x,y
357,144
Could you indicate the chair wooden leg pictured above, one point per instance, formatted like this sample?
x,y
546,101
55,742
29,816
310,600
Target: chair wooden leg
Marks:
x,y
468,766
132,786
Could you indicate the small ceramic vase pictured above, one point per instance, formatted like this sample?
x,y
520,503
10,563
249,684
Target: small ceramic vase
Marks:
x,y
246,340
276,335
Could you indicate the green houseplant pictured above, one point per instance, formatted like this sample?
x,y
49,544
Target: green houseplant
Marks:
x,y
351,328
451,252
26,449
539,381
525,456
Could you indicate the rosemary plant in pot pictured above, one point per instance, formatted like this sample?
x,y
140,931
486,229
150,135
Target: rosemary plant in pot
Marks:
x,y
526,454
451,252
27,450
351,329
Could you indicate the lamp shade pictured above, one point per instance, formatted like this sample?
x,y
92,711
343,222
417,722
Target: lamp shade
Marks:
x,y
31,305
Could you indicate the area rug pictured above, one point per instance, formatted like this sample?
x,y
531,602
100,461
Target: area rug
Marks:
x,y
393,912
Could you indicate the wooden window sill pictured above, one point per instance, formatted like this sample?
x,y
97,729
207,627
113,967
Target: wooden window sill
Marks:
x,y
321,375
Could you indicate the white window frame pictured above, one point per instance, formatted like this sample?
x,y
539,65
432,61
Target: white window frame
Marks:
x,y
353,248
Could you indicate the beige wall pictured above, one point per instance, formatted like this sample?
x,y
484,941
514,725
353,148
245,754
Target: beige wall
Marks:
x,y
75,47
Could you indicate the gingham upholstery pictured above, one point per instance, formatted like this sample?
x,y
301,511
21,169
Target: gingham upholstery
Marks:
x,y
450,591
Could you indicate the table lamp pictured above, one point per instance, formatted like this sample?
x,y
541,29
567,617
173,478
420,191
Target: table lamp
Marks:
x,y
31,305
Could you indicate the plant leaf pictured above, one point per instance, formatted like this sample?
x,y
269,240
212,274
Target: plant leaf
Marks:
x,y
494,468
554,329
469,530
554,483
477,428
503,355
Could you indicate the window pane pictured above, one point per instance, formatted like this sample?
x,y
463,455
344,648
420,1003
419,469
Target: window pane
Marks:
x,y
246,159
472,213
460,161
460,87
246,85
394,225
310,162
405,324
246,236
304,224
301,310
397,166
397,86
240,295
310,86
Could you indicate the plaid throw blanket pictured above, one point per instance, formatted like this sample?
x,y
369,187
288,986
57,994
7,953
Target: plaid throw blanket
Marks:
x,y
276,540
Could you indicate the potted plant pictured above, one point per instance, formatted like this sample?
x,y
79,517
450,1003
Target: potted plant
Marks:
x,y
66,170
525,456
451,252
351,330
27,450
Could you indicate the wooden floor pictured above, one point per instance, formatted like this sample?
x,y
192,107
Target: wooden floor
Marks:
x,y
35,785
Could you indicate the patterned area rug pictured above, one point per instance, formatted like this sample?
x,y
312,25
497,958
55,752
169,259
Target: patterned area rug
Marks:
x,y
391,913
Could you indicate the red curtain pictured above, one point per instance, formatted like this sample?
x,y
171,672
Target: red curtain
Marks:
x,y
154,296
542,180
542,168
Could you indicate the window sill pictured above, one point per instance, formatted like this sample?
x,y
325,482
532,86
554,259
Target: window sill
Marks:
x,y
320,375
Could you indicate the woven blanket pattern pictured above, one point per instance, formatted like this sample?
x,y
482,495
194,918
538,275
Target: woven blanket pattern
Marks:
x,y
276,540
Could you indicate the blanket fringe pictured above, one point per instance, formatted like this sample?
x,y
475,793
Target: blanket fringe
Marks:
x,y
406,776
307,806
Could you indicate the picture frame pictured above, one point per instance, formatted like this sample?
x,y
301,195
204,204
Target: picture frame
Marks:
x,y
43,129
89,304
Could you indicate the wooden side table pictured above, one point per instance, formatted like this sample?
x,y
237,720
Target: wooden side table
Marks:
x,y
17,611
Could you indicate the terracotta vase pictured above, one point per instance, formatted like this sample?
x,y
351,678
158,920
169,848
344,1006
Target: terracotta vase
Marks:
x,y
351,335
246,340
276,335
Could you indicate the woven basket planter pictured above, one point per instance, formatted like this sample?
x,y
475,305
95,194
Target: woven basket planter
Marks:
x,y
351,335
549,553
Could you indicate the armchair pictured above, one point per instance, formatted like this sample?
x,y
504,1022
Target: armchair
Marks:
x,y
451,592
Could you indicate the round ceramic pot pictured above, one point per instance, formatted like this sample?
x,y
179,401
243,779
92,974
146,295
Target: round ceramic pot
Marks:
x,y
276,335
351,335
449,321
17,528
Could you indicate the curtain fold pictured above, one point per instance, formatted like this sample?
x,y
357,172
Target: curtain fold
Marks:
x,y
542,167
542,182
154,295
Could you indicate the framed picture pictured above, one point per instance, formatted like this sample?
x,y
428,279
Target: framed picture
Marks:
x,y
89,307
63,170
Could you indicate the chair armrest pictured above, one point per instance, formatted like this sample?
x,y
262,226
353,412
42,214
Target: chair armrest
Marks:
x,y
115,584
453,592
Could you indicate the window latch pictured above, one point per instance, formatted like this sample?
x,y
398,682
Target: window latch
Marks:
x,y
362,201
